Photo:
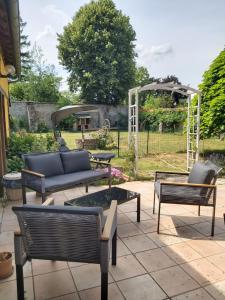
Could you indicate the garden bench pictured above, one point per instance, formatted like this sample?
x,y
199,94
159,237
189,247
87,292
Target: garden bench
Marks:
x,y
51,172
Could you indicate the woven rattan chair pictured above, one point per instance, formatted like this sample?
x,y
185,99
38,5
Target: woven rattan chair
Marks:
x,y
63,233
194,188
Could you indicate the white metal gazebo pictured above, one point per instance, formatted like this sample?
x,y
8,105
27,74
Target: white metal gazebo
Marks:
x,y
193,117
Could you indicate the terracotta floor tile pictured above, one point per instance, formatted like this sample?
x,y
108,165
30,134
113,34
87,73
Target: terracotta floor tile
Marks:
x,y
187,233
8,289
128,207
122,219
122,248
199,294
174,281
127,266
170,221
87,276
217,290
133,216
73,296
203,271
126,230
205,247
149,226
154,260
181,253
95,293
205,228
53,284
47,266
164,238
139,243
218,260
141,288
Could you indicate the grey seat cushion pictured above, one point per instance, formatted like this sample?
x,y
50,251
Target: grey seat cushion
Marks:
x,y
179,194
49,164
68,180
75,161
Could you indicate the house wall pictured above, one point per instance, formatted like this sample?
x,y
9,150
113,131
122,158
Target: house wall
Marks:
x,y
35,113
4,116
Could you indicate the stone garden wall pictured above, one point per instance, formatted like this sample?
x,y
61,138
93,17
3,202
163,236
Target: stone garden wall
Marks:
x,y
35,113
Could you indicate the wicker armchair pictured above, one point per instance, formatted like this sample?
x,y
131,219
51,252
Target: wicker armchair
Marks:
x,y
65,233
194,188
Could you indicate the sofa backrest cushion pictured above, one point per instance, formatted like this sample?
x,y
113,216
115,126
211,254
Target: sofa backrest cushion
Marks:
x,y
75,161
49,164
201,174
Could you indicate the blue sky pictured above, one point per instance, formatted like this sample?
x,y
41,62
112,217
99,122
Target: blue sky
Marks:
x,y
173,37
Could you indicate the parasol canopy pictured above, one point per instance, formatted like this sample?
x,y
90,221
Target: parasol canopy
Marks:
x,y
65,111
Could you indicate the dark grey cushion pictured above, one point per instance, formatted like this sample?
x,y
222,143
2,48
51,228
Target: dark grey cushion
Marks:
x,y
75,161
49,164
69,180
201,173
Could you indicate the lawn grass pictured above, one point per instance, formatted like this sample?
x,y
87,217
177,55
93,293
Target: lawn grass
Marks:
x,y
167,151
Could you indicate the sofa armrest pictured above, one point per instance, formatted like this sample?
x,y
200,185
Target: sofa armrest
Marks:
x,y
33,180
32,173
194,185
111,222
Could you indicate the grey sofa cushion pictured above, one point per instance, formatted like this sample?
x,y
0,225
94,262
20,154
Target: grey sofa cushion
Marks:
x,y
201,173
75,161
49,164
68,180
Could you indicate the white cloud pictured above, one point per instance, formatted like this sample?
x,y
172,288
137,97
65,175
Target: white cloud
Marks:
x,y
58,15
48,32
155,53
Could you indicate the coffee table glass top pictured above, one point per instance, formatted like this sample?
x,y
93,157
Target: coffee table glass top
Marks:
x,y
103,198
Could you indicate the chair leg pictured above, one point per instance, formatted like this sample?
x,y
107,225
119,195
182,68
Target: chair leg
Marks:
x,y
114,248
158,217
86,188
110,182
213,220
154,203
199,210
104,286
19,282
43,197
24,194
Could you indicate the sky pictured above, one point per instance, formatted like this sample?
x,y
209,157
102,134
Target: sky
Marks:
x,y
173,37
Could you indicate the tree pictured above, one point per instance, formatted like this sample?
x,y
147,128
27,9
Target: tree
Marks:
x,y
25,53
142,76
97,49
213,98
41,83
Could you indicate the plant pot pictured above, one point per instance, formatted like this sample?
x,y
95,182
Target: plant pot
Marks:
x,y
6,268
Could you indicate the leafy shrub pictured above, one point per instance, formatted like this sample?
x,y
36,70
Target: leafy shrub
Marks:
x,y
105,139
42,127
18,124
67,123
22,143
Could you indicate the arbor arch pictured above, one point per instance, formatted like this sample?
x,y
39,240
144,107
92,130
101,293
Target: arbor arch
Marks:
x,y
193,117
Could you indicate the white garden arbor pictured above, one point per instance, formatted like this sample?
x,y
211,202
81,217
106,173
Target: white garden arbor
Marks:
x,y
193,117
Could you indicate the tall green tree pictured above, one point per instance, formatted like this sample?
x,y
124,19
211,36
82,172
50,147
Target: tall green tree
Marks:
x,y
213,98
41,83
25,52
97,48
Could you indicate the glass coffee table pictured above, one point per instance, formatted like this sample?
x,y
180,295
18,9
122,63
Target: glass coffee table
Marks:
x,y
103,199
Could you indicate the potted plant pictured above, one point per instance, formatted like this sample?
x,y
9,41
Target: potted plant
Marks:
x,y
6,268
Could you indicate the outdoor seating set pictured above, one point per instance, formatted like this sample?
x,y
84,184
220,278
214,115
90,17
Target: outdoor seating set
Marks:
x,y
79,231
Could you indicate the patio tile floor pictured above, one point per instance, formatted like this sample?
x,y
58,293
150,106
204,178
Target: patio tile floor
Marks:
x,y
182,262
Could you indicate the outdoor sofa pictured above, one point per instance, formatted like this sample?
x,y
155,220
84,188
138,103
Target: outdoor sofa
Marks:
x,y
55,171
